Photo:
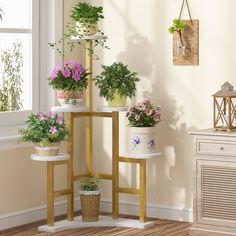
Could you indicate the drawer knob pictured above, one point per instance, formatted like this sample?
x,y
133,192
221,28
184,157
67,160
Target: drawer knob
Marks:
x,y
221,148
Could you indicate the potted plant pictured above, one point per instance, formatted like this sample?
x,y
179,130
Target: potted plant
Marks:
x,y
86,17
116,82
45,131
69,79
90,199
142,120
178,27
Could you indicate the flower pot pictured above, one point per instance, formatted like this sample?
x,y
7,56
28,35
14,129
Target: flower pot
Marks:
x,y
90,203
86,28
142,140
117,101
52,149
70,99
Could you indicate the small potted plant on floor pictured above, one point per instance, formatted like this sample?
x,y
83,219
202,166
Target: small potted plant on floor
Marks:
x,y
69,79
86,17
116,82
178,26
45,130
90,199
142,120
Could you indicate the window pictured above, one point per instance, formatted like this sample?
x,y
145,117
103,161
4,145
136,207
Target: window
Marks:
x,y
19,58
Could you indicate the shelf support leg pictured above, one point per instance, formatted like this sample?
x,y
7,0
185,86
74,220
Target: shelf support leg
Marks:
x,y
142,182
50,194
70,184
115,165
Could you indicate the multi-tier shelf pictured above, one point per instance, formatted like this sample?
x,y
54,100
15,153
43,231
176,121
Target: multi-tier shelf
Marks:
x,y
87,112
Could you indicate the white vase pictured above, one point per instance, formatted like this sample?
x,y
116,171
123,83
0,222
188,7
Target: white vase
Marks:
x,y
52,149
86,28
142,140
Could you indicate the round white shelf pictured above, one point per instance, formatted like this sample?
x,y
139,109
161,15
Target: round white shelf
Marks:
x,y
91,37
60,157
110,109
142,156
69,109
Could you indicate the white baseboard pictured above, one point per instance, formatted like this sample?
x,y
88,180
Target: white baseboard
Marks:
x,y
38,213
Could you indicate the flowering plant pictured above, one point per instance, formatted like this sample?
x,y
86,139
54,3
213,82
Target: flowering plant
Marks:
x,y
144,114
68,75
44,128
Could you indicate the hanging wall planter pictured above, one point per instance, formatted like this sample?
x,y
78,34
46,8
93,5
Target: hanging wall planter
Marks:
x,y
185,39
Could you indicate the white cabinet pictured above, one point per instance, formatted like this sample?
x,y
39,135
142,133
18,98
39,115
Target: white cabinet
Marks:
x,y
214,201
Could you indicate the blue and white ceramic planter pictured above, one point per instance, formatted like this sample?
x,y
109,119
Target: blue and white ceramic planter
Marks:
x,y
142,140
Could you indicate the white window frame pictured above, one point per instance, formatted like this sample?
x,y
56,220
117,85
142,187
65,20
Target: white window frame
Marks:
x,y
45,28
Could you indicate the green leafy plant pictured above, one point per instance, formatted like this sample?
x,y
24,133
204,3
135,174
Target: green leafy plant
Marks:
x,y
69,75
116,78
11,86
44,128
89,184
178,27
144,114
88,15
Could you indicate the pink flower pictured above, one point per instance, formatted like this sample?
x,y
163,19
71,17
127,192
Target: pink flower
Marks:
x,y
42,118
137,117
60,121
53,129
51,115
66,72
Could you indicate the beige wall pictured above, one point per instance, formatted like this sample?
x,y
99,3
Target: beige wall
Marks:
x,y
138,35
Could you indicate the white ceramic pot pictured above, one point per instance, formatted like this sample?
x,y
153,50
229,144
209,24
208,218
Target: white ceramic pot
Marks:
x,y
142,140
86,28
70,99
51,150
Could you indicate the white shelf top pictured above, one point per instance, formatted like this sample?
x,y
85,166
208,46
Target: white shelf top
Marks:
x,y
60,157
110,109
141,156
91,37
69,109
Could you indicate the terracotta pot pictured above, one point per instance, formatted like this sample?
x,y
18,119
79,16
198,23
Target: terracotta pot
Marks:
x,y
51,150
142,140
117,101
70,98
90,204
86,28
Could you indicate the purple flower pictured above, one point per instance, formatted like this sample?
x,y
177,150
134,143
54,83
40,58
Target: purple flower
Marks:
x,y
53,129
60,121
51,115
41,118
66,72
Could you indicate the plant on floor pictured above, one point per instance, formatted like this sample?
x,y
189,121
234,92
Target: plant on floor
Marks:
x,y
89,184
178,27
11,86
116,78
144,114
84,19
44,128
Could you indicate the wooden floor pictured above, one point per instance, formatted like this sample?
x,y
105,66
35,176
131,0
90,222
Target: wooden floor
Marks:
x,y
161,228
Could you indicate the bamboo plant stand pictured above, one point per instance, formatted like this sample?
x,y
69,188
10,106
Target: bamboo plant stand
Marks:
x,y
88,113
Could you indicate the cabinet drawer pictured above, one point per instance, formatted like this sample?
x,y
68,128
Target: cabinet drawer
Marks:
x,y
216,147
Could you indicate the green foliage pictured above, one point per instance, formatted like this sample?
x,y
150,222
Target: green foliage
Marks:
x,y
116,78
177,26
85,13
11,87
44,128
1,11
89,184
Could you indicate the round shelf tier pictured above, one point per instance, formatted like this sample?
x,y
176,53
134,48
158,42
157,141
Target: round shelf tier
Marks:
x,y
91,37
60,157
69,109
142,156
110,109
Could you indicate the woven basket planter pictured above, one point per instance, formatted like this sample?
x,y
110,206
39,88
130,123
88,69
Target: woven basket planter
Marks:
x,y
90,203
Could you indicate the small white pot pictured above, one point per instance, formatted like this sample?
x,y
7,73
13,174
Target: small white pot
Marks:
x,y
142,140
51,150
86,29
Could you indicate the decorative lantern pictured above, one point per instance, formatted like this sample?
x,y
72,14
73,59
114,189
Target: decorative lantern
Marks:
x,y
225,108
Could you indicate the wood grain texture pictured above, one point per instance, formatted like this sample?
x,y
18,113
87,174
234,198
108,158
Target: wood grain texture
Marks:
x,y
160,228
191,41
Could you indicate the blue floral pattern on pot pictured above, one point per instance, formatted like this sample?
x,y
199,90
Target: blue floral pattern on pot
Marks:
x,y
151,145
135,142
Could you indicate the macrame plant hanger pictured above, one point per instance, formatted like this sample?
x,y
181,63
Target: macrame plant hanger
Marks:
x,y
181,11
